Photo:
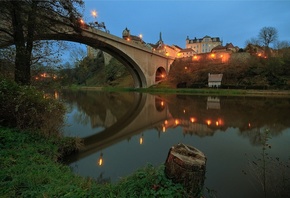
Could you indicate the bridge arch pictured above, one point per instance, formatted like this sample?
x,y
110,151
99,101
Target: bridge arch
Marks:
x,y
141,60
160,74
134,69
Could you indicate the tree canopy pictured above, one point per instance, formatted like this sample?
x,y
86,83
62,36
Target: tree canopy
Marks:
x,y
21,21
268,35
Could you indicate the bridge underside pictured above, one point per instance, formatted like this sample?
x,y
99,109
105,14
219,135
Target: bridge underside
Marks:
x,y
146,66
137,74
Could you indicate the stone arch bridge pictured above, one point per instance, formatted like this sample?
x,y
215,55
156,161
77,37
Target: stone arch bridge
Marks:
x,y
147,66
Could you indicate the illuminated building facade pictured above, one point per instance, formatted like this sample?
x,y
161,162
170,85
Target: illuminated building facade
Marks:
x,y
229,47
187,52
129,37
168,50
203,45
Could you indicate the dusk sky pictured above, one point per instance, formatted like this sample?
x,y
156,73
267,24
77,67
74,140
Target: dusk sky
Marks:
x,y
233,21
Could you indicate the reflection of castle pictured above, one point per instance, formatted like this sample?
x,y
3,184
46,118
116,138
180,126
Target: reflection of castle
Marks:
x,y
192,127
198,129
195,115
250,116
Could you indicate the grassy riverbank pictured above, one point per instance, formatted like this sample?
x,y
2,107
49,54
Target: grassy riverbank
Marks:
x,y
31,148
202,91
30,168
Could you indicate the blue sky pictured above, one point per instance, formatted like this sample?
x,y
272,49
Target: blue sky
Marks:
x,y
233,21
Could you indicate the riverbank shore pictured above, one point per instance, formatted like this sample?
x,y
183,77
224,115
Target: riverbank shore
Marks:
x,y
202,91
30,168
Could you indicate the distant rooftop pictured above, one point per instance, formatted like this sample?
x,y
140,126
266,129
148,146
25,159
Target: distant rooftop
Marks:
x,y
215,77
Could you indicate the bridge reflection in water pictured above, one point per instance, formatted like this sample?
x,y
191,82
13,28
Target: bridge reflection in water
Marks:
x,y
146,111
132,129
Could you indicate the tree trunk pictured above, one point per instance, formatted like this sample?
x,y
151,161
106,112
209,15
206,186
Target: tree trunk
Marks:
x,y
23,45
22,73
186,165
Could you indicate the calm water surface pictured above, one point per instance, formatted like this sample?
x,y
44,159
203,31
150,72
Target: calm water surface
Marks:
x,y
126,131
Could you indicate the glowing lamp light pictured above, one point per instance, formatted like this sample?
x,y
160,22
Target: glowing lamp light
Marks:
x,y
94,13
259,54
216,123
208,122
162,103
82,21
128,39
249,125
56,95
166,122
195,57
212,55
141,140
192,119
185,67
163,129
176,122
167,54
101,161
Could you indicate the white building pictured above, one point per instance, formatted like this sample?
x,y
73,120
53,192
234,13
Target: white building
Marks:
x,y
203,45
214,80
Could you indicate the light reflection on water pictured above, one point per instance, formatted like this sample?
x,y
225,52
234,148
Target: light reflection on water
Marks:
x,y
126,131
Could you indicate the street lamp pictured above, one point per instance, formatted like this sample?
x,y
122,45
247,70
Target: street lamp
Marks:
x,y
82,21
94,13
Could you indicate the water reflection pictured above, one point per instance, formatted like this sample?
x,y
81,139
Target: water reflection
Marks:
x,y
125,131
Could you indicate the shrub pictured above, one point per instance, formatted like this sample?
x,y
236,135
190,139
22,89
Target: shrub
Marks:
x,y
26,108
148,182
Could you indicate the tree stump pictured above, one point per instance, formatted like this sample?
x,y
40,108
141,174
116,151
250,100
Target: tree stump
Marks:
x,y
186,165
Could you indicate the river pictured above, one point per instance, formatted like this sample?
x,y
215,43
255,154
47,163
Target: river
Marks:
x,y
246,140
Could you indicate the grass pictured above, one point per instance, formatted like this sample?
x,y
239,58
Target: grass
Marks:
x,y
30,168
167,88
204,91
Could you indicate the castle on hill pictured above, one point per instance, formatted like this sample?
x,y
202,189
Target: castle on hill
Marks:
x,y
195,48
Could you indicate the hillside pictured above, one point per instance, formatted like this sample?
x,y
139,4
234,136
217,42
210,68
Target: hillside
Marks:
x,y
241,71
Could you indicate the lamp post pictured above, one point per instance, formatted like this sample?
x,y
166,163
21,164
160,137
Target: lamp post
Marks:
x,y
94,13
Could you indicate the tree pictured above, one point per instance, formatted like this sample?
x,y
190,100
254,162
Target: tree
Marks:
x,y
283,48
281,45
22,20
268,35
253,41
47,52
6,62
